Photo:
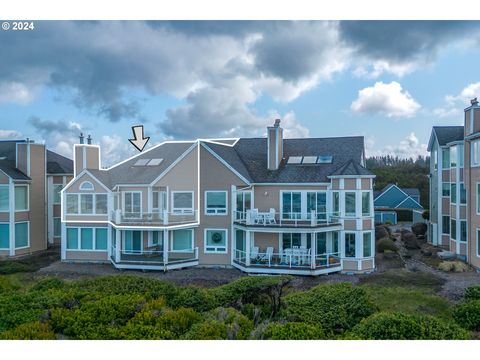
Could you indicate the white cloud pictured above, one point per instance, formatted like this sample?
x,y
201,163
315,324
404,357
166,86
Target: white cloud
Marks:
x,y
454,104
380,67
10,134
15,92
409,147
385,99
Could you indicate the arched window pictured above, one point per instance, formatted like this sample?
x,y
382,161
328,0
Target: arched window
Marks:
x,y
86,185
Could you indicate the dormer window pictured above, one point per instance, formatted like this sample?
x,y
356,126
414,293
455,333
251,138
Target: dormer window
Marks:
x,y
86,185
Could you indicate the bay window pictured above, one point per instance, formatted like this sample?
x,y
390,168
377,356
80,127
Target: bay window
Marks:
x,y
336,203
86,203
87,238
72,203
350,246
101,204
215,202
445,158
350,204
367,244
4,198
453,156
366,204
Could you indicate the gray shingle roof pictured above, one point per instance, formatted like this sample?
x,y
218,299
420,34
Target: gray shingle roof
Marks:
x,y
447,134
230,155
7,163
253,154
351,167
58,164
11,171
127,173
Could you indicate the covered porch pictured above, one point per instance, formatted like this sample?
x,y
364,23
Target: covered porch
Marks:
x,y
299,252
153,249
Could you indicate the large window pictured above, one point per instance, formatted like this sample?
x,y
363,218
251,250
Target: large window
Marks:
x,y
290,240
87,239
182,202
445,224
366,203
445,158
72,203
446,189
21,197
317,201
4,236
475,153
349,204
336,202
101,204
182,240
132,203
57,227
215,241
57,188
4,198
159,203
244,203
86,203
463,194
21,235
350,245
335,242
215,202
463,230
321,243
453,229
291,205
156,239
367,244
453,193
453,156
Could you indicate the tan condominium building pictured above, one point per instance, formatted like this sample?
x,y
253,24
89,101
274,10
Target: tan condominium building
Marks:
x,y
263,205
31,179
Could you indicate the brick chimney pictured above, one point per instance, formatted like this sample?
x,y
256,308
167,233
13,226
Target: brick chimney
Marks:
x,y
86,156
274,145
472,118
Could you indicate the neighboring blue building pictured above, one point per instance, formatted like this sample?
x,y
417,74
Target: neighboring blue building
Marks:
x,y
393,198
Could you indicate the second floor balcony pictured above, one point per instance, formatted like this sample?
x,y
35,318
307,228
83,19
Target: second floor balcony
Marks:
x,y
272,218
158,218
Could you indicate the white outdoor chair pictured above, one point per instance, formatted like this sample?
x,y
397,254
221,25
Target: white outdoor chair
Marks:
x,y
268,255
286,256
270,217
255,216
254,253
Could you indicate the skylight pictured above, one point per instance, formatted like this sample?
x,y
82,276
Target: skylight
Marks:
x,y
154,162
324,159
309,160
294,160
141,162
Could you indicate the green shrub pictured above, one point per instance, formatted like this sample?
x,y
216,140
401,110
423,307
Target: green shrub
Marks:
x,y
98,319
467,315
48,283
472,292
6,285
207,330
336,307
292,331
16,266
386,244
266,290
193,297
29,331
398,326
387,222
127,284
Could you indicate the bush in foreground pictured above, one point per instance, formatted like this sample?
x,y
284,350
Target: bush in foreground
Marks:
x,y
467,315
472,292
386,244
337,307
29,331
398,326
291,331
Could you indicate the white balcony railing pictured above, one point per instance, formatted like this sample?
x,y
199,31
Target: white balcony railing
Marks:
x,y
297,219
154,257
154,218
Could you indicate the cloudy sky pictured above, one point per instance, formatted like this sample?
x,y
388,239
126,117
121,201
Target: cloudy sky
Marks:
x,y
389,81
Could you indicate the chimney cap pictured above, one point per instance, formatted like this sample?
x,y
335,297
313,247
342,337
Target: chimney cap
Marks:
x,y
81,138
89,140
277,123
474,102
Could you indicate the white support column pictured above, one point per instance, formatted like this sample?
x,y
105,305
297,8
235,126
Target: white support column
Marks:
x,y
313,250
63,241
11,200
247,247
109,241
166,235
118,245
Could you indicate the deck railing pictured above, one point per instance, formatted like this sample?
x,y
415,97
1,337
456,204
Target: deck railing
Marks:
x,y
154,257
154,218
294,219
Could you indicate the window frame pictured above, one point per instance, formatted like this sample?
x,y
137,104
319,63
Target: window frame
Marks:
x,y
466,231
192,248
86,182
350,214
444,159
216,211
443,227
205,246
475,144
8,242
79,239
453,234
57,235
369,233
28,235
79,206
57,192
181,211
453,194
27,197
477,199
7,186
448,185
124,203
369,203
354,244
478,242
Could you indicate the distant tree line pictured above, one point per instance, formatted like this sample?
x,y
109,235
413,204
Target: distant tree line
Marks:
x,y
408,173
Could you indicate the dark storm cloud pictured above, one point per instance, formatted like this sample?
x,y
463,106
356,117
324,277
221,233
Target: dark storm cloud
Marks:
x,y
404,40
